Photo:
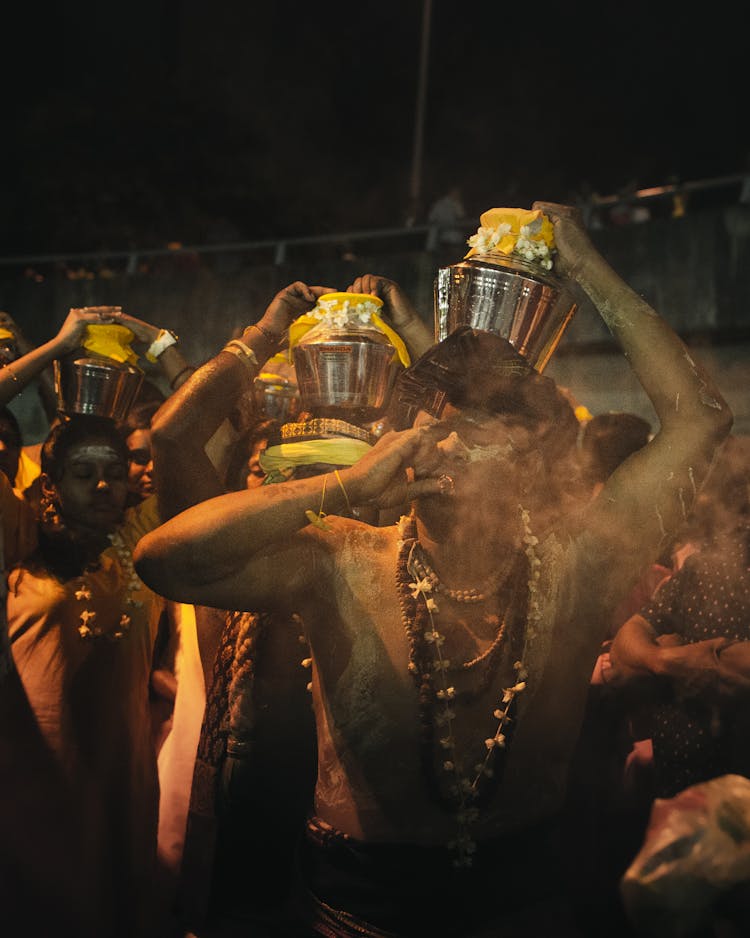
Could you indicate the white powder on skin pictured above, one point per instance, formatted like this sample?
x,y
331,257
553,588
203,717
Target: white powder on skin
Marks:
x,y
455,447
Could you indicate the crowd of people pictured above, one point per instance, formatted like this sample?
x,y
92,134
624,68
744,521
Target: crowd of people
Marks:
x,y
424,670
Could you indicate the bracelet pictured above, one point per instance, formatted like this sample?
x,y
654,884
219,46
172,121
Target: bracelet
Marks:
x,y
271,336
179,374
160,344
317,520
341,486
245,354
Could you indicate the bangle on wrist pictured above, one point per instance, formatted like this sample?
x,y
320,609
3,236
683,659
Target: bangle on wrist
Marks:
x,y
245,354
160,344
271,336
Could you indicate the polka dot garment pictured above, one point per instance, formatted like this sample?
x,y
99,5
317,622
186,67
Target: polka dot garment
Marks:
x,y
696,739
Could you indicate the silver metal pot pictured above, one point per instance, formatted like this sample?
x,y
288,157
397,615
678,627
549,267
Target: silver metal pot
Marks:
x,y
95,385
519,301
347,373
276,398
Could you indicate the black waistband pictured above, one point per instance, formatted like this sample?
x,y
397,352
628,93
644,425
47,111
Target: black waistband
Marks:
x,y
411,888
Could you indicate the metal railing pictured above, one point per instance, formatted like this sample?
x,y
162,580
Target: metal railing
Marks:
x,y
671,189
426,237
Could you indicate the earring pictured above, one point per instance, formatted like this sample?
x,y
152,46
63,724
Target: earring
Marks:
x,y
49,512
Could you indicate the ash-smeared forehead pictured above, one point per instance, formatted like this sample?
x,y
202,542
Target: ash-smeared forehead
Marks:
x,y
75,432
94,452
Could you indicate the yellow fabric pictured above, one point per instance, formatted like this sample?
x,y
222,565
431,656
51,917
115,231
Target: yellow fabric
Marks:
x,y
340,300
28,468
279,369
110,341
517,218
269,378
301,326
583,413
281,460
6,334
395,339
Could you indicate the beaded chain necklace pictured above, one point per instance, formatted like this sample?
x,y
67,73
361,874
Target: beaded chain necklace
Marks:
x,y
89,628
424,571
457,790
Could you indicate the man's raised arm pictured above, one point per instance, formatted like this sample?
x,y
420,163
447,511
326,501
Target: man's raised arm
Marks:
x,y
647,497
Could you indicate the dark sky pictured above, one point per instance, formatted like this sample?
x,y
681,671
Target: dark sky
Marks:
x,y
140,123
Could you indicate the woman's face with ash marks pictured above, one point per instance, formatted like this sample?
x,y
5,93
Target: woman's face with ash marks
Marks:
x,y
94,485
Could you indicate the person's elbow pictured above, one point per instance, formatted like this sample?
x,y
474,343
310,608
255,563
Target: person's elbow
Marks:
x,y
162,569
168,429
700,429
715,416
724,421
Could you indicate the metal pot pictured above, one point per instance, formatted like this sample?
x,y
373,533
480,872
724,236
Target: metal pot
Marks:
x,y
276,398
95,385
347,373
519,301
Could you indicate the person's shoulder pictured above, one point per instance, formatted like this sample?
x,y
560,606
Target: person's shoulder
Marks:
x,y
349,542
352,530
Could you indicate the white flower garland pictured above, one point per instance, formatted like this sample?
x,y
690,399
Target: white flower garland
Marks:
x,y
88,628
337,314
464,787
527,245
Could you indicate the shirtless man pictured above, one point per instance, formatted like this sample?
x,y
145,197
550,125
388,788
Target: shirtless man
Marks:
x,y
452,652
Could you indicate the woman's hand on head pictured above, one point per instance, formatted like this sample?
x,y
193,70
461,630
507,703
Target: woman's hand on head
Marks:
x,y
398,306
78,319
289,304
143,331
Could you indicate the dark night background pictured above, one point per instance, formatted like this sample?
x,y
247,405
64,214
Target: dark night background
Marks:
x,y
148,122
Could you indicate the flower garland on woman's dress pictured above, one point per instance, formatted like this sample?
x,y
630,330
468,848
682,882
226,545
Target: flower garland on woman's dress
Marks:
x,y
89,628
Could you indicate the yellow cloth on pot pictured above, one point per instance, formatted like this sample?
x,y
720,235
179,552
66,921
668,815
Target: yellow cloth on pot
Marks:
x,y
503,226
333,309
110,341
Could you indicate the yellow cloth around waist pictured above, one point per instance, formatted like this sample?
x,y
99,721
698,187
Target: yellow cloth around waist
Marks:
x,y
280,461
